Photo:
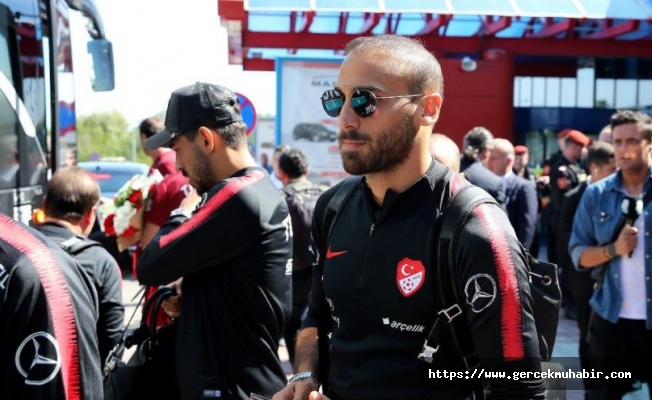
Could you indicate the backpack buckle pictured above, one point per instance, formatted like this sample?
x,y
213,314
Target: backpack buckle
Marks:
x,y
446,312
427,352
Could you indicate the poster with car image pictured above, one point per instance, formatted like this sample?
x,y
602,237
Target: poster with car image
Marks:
x,y
300,119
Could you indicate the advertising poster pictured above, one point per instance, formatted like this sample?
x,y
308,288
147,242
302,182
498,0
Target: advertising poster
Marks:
x,y
300,119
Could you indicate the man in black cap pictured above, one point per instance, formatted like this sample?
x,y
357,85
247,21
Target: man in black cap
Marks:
x,y
234,253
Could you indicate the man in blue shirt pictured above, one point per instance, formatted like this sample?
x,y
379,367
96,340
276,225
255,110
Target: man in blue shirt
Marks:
x,y
620,334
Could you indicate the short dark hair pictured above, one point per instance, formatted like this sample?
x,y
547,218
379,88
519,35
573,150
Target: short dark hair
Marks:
x,y
234,134
71,193
600,153
294,163
621,117
151,126
414,63
643,120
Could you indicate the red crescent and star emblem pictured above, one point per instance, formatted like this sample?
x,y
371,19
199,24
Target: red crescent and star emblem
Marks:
x,y
410,275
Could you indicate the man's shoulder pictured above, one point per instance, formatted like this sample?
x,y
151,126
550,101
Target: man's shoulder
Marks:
x,y
482,174
55,233
172,185
521,181
306,185
88,251
347,184
251,187
96,249
173,179
523,185
602,187
576,191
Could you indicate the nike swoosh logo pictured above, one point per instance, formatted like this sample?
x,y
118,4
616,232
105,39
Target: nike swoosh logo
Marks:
x,y
331,254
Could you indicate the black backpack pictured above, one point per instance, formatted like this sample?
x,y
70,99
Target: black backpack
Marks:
x,y
301,205
544,287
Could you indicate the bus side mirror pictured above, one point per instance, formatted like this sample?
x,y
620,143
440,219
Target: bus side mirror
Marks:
x,y
101,51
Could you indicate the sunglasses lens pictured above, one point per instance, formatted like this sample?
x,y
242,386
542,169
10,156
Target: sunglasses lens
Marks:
x,y
363,103
332,101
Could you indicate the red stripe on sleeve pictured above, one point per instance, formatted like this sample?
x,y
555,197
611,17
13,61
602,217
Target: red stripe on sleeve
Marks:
x,y
58,298
212,205
510,314
458,182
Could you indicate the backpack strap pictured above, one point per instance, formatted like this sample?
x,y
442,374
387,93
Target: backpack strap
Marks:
x,y
337,203
324,327
457,211
460,206
75,244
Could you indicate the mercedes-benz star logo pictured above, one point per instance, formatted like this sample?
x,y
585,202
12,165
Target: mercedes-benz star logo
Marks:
x,y
480,292
38,358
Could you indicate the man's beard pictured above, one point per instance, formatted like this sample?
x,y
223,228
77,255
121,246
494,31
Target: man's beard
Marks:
x,y
203,179
387,152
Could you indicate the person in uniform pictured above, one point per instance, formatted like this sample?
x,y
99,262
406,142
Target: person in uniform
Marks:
x,y
521,159
543,190
566,174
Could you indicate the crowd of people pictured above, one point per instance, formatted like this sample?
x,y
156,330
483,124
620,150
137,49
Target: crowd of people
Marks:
x,y
344,275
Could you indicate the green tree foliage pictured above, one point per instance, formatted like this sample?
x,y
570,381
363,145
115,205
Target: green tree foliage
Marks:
x,y
108,135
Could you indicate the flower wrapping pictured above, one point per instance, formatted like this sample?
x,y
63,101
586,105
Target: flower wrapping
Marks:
x,y
122,217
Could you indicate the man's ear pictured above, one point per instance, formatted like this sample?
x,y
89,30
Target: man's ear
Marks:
x,y
209,140
431,107
283,177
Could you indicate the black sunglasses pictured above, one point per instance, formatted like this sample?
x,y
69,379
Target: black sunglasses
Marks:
x,y
363,101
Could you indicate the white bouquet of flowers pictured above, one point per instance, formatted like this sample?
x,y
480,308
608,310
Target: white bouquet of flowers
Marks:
x,y
123,217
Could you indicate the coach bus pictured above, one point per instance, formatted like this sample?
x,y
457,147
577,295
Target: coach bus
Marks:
x,y
37,96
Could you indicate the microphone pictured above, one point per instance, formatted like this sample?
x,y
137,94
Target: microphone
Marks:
x,y
631,208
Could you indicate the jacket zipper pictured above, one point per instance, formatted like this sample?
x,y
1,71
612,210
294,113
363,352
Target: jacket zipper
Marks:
x,y
368,250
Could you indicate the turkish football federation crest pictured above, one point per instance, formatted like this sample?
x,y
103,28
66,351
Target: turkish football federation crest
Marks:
x,y
410,275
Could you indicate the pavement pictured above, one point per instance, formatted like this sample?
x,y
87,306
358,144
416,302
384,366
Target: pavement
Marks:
x,y
565,350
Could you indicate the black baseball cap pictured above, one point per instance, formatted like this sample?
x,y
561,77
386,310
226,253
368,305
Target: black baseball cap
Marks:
x,y
201,104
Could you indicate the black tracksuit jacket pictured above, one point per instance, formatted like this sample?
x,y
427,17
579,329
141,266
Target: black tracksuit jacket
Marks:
x,y
235,257
378,282
48,312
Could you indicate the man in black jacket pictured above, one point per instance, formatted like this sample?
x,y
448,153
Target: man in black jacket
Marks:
x,y
521,202
71,199
375,272
579,283
234,253
301,196
478,144
48,311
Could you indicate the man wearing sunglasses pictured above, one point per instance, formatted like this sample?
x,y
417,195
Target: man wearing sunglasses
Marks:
x,y
377,267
